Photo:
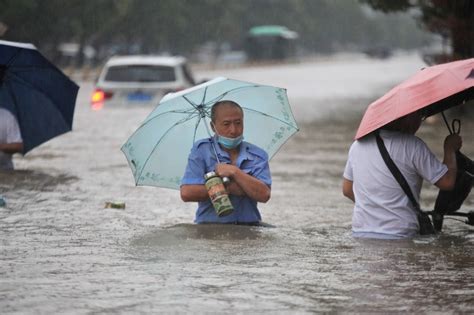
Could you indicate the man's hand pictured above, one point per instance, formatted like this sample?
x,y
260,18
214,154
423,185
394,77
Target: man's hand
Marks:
x,y
246,184
452,143
226,170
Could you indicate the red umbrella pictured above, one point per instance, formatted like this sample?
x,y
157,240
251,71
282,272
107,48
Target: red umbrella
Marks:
x,y
433,88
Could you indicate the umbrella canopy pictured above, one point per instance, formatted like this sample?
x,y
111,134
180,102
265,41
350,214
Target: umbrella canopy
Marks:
x,y
38,94
433,89
158,150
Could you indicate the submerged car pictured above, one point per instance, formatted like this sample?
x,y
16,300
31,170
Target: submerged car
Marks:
x,y
128,80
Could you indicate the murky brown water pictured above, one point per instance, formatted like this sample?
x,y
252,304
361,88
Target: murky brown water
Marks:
x,y
63,252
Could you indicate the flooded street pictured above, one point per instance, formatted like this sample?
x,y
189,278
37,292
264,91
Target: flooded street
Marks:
x,y
62,252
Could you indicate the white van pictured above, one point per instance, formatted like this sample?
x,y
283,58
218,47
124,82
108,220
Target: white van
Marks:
x,y
128,80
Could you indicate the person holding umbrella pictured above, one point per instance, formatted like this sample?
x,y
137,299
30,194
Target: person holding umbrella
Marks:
x,y
245,164
10,139
382,209
36,98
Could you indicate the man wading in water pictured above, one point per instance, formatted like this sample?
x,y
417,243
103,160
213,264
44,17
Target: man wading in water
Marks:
x,y
245,164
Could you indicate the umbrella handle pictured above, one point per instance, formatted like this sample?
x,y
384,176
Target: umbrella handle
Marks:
x,y
446,122
456,126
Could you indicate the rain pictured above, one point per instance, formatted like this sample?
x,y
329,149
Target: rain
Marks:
x,y
79,237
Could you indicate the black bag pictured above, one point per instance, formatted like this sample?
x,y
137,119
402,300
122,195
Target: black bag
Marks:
x,y
450,201
424,221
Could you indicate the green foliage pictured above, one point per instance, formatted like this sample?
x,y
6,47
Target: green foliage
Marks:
x,y
453,20
179,26
388,5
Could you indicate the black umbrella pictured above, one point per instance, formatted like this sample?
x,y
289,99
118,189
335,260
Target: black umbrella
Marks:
x,y
38,94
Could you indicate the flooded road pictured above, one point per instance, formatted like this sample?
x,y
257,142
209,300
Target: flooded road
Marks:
x,y
63,252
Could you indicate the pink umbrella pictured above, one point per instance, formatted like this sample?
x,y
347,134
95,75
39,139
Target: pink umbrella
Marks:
x,y
433,88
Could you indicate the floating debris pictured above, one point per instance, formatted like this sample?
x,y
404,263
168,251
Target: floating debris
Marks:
x,y
115,205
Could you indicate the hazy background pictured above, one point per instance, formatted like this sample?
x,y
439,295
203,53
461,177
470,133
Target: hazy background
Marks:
x,y
77,33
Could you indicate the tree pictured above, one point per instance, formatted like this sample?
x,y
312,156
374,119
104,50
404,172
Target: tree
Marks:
x,y
452,19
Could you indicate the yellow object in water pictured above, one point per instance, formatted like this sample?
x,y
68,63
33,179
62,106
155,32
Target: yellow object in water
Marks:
x,y
115,205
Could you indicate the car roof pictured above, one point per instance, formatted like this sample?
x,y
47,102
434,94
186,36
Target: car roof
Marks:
x,y
146,60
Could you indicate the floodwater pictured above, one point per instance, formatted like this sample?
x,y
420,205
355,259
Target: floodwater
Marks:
x,y
62,252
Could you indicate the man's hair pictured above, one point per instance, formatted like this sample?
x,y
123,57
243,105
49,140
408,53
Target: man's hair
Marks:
x,y
221,103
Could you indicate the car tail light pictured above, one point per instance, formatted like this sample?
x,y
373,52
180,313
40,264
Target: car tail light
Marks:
x,y
98,98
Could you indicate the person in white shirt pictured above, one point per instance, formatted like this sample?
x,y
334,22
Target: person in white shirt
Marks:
x,y
10,139
381,207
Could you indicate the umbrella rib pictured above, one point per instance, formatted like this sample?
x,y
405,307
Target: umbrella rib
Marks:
x,y
189,117
161,114
270,116
18,50
188,111
196,105
196,127
190,102
221,96
204,95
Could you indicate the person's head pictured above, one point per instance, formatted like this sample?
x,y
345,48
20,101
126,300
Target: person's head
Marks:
x,y
407,124
227,121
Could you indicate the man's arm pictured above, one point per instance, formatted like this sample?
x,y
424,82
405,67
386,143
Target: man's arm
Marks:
x,y
249,185
347,189
452,143
11,148
193,193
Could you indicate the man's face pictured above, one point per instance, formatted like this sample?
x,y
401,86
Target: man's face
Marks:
x,y
229,121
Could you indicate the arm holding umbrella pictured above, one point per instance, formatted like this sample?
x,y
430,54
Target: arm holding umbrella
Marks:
x,y
11,148
452,143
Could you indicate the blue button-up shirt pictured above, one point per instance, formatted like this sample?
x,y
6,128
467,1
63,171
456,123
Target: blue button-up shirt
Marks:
x,y
251,160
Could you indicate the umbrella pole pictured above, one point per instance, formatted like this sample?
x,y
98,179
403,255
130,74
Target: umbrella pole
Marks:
x,y
212,142
446,122
224,179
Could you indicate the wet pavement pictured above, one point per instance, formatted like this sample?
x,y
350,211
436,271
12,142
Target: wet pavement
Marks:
x,y
63,252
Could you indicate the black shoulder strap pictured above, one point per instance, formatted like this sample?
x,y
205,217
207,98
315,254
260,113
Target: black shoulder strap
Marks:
x,y
396,172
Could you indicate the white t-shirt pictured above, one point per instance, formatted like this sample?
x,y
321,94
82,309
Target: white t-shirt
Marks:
x,y
9,133
381,206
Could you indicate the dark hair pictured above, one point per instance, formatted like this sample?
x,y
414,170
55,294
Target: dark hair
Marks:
x,y
220,103
405,124
395,125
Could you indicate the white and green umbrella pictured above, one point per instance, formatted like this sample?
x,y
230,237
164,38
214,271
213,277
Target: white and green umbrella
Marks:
x,y
158,150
